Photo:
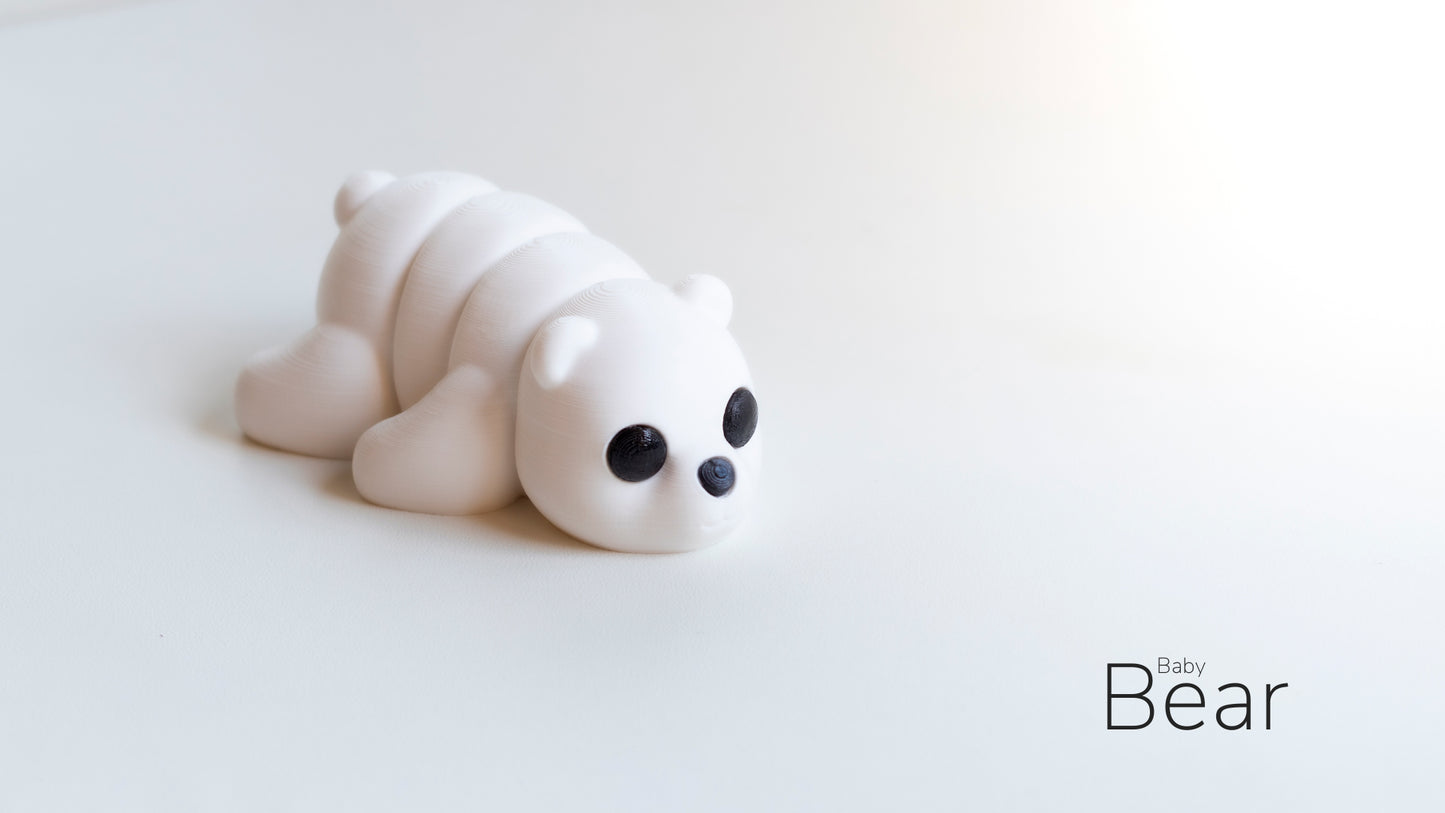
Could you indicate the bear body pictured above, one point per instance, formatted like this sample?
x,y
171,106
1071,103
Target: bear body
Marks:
x,y
475,344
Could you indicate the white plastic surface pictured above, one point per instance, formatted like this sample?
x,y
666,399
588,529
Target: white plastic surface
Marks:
x,y
1084,331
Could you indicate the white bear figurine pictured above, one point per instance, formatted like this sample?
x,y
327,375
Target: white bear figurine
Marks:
x,y
474,345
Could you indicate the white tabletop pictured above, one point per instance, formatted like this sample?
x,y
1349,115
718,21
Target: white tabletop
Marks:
x,y
1082,333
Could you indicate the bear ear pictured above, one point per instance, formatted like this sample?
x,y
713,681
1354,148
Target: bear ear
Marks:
x,y
709,293
558,346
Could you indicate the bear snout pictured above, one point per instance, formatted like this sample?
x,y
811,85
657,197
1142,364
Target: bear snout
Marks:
x,y
717,476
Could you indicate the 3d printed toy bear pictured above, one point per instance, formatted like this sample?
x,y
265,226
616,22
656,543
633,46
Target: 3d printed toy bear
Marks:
x,y
475,344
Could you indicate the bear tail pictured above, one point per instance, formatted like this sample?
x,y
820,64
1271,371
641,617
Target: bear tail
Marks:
x,y
356,191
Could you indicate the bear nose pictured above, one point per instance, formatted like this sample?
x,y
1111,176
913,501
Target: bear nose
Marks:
x,y
716,476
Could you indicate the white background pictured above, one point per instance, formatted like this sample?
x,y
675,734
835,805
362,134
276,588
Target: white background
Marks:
x,y
1082,332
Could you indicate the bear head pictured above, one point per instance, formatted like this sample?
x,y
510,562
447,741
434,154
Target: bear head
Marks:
x,y
636,419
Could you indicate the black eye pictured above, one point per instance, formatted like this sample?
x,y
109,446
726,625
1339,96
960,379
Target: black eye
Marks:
x,y
636,453
740,419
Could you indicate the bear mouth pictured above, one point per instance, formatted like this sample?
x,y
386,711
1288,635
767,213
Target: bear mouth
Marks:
x,y
721,523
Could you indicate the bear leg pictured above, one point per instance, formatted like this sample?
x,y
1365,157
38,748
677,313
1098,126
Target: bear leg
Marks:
x,y
315,396
449,453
